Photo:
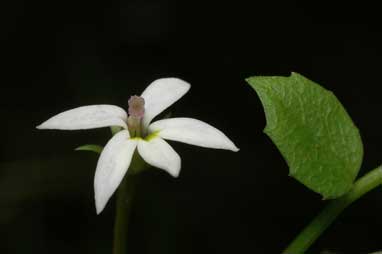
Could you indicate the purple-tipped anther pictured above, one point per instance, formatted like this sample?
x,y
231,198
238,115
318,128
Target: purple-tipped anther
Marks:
x,y
136,106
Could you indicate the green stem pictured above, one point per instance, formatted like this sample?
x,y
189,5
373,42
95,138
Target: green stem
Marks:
x,y
124,204
323,220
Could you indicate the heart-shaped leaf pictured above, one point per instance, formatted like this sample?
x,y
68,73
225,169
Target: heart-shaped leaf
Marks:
x,y
313,132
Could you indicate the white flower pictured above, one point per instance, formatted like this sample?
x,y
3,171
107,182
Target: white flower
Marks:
x,y
138,133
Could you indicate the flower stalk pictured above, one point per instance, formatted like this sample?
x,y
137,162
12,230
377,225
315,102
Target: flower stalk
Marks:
x,y
325,218
125,196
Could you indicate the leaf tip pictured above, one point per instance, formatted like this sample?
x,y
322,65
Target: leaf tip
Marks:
x,y
91,148
293,73
249,80
291,174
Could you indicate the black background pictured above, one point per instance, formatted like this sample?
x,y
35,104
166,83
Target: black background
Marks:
x,y
58,55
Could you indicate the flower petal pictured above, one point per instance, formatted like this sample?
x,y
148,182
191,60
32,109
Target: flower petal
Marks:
x,y
161,94
112,166
160,154
193,132
87,117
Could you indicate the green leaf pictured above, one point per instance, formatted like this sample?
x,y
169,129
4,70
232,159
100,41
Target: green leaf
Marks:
x,y
313,132
92,148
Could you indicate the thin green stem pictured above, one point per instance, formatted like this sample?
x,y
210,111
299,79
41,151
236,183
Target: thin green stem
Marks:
x,y
324,219
125,195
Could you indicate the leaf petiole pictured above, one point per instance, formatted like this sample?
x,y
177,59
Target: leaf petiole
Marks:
x,y
325,218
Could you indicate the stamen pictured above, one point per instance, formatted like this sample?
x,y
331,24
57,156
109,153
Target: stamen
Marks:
x,y
136,113
136,106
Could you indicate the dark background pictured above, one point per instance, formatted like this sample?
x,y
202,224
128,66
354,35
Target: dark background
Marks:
x,y
58,55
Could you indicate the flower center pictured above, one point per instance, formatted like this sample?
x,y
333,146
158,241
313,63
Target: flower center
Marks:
x,y
136,112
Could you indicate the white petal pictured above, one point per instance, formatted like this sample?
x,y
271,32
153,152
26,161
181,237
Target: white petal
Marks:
x,y
112,166
193,132
161,94
160,154
87,117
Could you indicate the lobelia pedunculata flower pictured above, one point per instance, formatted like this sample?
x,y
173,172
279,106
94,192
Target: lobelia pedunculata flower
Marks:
x,y
138,133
